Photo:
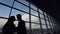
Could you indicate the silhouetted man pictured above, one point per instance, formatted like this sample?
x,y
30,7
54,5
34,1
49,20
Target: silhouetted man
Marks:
x,y
21,25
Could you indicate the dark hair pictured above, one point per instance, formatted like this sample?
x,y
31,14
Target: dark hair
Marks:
x,y
11,18
18,15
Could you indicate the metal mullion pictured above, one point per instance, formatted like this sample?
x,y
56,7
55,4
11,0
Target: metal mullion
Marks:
x,y
24,5
49,24
40,20
16,9
3,17
52,24
45,22
30,18
11,8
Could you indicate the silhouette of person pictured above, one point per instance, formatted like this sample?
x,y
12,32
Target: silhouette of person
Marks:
x,y
21,25
9,27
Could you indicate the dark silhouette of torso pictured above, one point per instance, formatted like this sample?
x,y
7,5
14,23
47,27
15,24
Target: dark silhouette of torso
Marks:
x,y
21,27
9,27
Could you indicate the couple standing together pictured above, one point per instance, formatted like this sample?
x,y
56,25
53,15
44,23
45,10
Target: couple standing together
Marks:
x,y
9,27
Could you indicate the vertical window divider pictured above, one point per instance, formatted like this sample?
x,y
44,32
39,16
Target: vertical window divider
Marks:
x,y
45,21
40,21
30,17
11,8
49,24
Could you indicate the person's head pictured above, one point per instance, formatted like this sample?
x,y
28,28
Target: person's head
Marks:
x,y
11,18
19,17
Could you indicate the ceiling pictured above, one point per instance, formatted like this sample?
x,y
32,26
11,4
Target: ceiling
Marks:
x,y
51,7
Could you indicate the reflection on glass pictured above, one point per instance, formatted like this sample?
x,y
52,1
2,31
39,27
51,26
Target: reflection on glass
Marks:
x,y
21,7
35,28
8,2
42,21
25,16
34,12
4,11
34,19
2,23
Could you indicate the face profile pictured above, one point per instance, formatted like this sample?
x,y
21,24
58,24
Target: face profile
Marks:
x,y
19,16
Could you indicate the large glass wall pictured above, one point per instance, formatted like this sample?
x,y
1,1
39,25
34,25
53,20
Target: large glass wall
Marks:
x,y
36,20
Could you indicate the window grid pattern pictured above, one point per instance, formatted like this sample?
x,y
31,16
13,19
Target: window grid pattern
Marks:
x,y
38,11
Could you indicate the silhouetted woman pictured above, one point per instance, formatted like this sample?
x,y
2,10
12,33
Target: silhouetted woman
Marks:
x,y
9,27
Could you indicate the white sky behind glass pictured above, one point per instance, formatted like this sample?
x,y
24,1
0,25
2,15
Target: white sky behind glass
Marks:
x,y
4,11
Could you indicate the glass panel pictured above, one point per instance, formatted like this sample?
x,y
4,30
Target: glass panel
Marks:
x,y
27,27
42,16
44,26
49,27
45,14
25,16
50,20
40,11
8,2
34,12
46,17
2,23
34,19
4,11
35,28
42,21
21,7
47,22
24,2
34,7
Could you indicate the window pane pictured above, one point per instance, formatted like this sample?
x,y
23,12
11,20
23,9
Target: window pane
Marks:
x,y
42,21
24,2
46,17
2,23
34,12
27,27
40,11
34,7
25,16
35,28
42,16
4,11
8,2
49,27
16,23
45,14
44,26
47,22
21,7
34,19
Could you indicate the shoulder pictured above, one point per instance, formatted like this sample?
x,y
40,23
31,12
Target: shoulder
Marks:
x,y
22,20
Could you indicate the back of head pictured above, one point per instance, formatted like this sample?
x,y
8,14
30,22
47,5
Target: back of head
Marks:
x,y
11,18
